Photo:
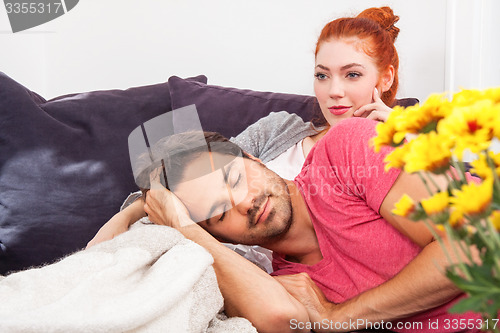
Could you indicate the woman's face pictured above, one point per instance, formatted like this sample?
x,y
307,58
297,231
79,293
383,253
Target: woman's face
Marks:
x,y
345,78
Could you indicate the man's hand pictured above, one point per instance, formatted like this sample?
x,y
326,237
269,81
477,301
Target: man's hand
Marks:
x,y
164,208
376,110
303,288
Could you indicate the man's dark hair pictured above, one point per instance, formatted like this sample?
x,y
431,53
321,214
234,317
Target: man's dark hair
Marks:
x,y
171,155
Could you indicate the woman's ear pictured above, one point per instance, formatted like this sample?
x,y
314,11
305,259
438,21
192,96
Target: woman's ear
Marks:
x,y
386,79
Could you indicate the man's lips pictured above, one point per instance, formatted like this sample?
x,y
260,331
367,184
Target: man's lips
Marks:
x,y
339,109
264,212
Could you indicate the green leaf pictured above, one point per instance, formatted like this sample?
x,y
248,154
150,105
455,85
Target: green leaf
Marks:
x,y
471,303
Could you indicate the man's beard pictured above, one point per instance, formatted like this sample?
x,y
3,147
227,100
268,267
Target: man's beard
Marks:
x,y
280,218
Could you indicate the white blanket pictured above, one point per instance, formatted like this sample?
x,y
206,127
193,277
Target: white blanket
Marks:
x,y
150,279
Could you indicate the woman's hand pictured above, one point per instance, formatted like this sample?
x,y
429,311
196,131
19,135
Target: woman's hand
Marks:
x,y
376,110
164,208
303,288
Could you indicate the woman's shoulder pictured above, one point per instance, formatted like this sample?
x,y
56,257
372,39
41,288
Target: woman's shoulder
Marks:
x,y
349,136
354,128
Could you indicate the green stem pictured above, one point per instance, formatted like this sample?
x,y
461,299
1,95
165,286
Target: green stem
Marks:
x,y
425,182
459,166
434,182
494,233
465,248
439,239
492,165
452,242
484,237
451,179
496,240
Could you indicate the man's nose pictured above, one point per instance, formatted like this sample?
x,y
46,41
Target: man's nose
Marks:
x,y
246,204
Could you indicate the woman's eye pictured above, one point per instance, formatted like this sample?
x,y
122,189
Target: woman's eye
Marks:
x,y
353,75
320,76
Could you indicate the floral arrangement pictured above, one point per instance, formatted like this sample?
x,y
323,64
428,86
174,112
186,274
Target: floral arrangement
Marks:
x,y
431,139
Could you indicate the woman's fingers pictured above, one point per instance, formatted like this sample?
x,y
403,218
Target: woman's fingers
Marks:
x,y
376,110
376,96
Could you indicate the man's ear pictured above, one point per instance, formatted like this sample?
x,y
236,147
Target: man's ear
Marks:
x,y
386,79
253,158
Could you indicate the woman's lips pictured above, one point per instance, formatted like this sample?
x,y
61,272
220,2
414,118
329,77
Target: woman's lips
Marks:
x,y
265,212
339,110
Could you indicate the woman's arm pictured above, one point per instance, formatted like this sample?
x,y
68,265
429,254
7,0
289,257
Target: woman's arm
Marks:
x,y
419,286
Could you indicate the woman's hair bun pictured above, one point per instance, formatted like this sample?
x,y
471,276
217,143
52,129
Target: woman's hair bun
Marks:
x,y
385,17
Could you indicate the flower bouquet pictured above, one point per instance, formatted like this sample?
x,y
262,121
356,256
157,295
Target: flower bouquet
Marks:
x,y
433,138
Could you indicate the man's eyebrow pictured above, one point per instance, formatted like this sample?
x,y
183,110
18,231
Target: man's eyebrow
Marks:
x,y
225,174
353,64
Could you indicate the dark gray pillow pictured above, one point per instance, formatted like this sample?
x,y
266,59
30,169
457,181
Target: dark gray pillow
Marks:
x,y
64,166
229,110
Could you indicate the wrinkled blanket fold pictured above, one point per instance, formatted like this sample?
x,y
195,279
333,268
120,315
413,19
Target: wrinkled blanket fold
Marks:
x,y
150,279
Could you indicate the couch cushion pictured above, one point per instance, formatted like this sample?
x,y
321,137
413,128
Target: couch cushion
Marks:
x,y
64,166
229,110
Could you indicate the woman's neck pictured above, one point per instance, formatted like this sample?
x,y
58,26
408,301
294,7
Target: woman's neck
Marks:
x,y
310,141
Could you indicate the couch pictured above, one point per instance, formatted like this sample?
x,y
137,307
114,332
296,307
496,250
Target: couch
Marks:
x,y
64,163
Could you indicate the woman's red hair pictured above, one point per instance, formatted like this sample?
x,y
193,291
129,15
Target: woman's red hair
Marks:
x,y
375,28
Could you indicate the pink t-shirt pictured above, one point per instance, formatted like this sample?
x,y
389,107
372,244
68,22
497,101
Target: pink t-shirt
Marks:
x,y
344,183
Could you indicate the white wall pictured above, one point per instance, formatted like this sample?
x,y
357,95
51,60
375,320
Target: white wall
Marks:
x,y
473,48
258,44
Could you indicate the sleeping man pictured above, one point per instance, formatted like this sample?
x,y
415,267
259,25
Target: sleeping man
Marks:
x,y
342,261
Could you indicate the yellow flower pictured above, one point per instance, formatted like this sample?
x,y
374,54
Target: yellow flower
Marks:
x,y
472,199
423,118
396,158
428,152
470,127
495,219
404,207
435,204
493,94
440,227
470,96
387,130
467,97
496,125
456,218
481,168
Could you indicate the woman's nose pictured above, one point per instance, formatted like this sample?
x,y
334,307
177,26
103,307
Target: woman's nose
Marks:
x,y
336,90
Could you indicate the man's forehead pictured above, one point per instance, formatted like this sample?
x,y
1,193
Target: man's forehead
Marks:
x,y
209,162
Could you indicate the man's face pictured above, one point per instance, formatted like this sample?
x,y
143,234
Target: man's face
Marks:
x,y
244,203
